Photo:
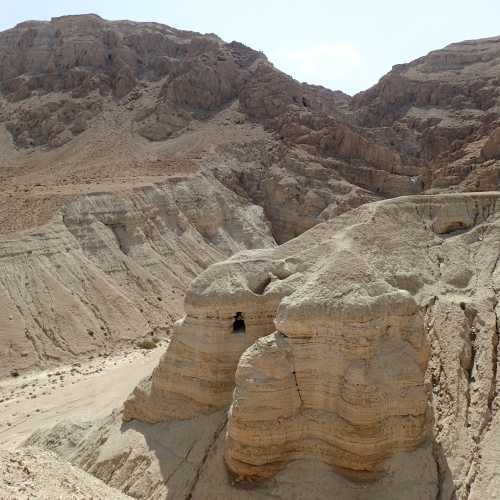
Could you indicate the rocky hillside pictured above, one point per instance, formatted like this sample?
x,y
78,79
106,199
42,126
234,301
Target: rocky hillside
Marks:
x,y
133,155
442,110
360,357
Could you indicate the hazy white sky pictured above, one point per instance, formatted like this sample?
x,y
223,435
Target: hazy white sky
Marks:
x,y
345,45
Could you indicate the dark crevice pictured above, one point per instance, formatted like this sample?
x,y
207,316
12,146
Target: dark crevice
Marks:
x,y
121,236
297,386
239,323
208,450
470,315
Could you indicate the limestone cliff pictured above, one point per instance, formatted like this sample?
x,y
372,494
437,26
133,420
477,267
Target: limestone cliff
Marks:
x,y
366,349
442,110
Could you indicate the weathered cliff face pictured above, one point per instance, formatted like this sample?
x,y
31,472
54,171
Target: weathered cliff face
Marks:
x,y
397,313
184,459
75,80
444,110
88,58
366,349
428,125
66,80
350,402
133,156
348,341
198,377
85,53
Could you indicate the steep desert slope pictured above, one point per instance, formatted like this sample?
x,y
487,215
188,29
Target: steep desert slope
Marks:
x,y
30,473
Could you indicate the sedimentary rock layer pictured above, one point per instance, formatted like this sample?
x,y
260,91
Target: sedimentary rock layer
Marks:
x,y
367,346
113,267
360,365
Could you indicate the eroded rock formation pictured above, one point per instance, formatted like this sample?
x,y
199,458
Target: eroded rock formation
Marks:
x,y
441,110
361,355
373,358
113,267
124,174
343,379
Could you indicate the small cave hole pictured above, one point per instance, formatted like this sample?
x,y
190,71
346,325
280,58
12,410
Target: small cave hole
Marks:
x,y
239,323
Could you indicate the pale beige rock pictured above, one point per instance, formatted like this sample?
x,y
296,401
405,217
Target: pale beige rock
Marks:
x,y
184,459
37,474
491,149
370,343
386,339
113,267
198,372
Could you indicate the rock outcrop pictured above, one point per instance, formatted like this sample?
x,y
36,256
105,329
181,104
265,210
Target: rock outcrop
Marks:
x,y
440,110
344,378
373,358
125,173
184,459
427,125
361,354
63,79
348,342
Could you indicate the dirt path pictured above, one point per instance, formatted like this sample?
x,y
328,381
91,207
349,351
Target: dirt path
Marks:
x,y
84,390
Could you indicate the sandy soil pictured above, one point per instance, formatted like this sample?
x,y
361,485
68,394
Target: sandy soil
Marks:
x,y
85,390
108,157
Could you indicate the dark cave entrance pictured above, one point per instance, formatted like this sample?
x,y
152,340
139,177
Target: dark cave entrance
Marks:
x,y
239,323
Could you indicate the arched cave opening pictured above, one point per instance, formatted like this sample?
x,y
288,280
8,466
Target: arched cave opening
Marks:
x,y
239,323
